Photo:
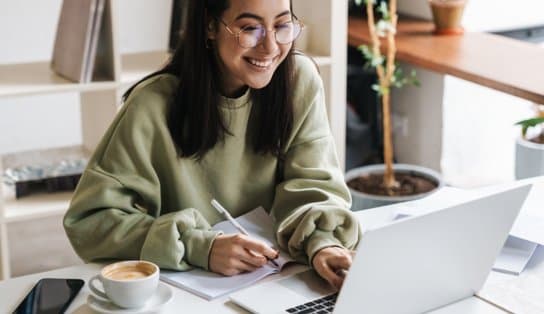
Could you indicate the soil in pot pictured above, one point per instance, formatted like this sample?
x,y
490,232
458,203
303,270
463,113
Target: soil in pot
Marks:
x,y
538,139
409,184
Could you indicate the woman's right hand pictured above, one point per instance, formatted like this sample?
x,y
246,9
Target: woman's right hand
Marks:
x,y
232,254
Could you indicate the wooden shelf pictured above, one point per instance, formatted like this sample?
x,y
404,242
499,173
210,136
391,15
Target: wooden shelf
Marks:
x,y
37,78
501,63
136,65
36,206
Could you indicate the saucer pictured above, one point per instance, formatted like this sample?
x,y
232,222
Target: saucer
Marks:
x,y
162,295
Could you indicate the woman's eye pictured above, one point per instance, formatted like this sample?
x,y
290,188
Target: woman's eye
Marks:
x,y
283,26
251,28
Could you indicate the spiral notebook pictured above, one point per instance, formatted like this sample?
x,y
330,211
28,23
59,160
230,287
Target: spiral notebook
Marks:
x,y
210,285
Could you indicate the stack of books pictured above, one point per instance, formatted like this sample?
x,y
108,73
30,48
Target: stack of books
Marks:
x,y
82,32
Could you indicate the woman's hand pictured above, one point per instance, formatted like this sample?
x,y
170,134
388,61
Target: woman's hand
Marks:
x,y
331,263
233,254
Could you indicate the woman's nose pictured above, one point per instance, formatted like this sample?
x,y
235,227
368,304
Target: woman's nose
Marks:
x,y
269,42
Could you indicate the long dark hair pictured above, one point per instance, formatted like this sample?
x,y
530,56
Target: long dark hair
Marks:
x,y
194,118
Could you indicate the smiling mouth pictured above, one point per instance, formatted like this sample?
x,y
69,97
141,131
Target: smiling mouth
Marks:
x,y
261,64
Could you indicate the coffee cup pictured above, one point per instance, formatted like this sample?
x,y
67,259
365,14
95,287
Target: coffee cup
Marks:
x,y
128,284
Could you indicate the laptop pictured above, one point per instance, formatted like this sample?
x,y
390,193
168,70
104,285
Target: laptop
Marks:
x,y
412,265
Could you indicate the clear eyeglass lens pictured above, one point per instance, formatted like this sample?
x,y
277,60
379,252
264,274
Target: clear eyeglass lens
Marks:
x,y
286,33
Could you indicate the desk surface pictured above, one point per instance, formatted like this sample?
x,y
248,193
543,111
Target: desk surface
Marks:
x,y
521,294
12,291
504,64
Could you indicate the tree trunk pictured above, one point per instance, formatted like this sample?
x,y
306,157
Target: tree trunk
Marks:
x,y
388,176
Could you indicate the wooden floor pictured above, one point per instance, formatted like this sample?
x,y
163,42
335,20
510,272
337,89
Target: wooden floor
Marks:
x,y
39,245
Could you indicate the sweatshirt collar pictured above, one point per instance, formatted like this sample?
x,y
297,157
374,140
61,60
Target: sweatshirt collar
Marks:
x,y
235,103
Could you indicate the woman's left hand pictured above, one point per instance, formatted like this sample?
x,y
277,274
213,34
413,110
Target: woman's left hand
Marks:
x,y
331,263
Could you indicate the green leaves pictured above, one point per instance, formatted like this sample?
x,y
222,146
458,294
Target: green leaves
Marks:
x,y
399,79
372,60
529,123
384,27
384,11
359,2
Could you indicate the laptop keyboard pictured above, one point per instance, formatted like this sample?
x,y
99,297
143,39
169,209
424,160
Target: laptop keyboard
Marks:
x,y
320,306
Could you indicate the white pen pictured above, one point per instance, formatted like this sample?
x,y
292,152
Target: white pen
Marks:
x,y
235,223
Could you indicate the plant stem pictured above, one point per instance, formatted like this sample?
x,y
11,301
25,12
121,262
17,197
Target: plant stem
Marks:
x,y
384,78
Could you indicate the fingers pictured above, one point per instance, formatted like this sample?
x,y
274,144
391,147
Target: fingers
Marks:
x,y
259,247
242,267
234,254
332,263
327,273
235,267
340,261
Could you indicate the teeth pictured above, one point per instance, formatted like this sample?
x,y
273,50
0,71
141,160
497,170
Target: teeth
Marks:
x,y
262,64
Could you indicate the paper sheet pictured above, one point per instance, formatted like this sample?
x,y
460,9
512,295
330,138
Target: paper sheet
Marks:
x,y
514,256
210,285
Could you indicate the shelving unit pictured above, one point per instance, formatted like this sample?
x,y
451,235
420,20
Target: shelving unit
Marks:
x,y
326,22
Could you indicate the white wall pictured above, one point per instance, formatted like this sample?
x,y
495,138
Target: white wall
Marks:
x,y
27,35
417,134
479,133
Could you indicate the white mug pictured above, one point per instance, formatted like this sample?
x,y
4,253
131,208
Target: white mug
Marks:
x,y
128,284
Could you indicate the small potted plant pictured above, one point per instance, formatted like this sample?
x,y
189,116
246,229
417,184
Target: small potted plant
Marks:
x,y
530,146
447,15
382,184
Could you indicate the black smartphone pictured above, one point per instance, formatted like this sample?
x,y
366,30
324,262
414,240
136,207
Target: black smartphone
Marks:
x,y
50,296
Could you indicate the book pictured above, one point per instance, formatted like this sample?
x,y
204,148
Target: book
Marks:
x,y
73,38
102,66
210,285
95,34
83,36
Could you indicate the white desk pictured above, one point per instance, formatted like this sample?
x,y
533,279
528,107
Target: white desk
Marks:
x,y
13,290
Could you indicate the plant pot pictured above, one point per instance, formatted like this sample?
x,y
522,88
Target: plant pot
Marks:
x,y
362,200
529,159
447,15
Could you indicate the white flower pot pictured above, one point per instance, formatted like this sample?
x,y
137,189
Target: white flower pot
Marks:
x,y
364,201
529,159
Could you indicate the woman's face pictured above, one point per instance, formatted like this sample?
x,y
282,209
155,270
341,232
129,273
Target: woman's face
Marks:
x,y
253,66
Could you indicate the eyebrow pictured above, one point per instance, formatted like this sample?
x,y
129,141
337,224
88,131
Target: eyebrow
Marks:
x,y
254,16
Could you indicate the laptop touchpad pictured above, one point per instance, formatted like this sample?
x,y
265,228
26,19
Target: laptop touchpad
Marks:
x,y
308,284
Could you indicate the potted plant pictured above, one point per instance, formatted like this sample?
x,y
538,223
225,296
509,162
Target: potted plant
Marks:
x,y
387,183
530,147
447,16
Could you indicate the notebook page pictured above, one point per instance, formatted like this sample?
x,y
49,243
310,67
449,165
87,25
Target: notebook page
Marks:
x,y
211,285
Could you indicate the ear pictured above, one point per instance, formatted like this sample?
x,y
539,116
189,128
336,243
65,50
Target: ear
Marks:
x,y
211,29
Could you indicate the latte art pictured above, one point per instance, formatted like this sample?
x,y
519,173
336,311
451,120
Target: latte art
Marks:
x,y
129,273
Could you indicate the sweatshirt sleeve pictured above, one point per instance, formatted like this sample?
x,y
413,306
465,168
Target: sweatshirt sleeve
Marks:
x,y
116,210
312,201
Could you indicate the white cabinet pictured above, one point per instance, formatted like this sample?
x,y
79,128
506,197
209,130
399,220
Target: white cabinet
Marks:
x,y
326,22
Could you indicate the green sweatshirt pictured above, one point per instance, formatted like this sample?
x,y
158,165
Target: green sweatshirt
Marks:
x,y
138,200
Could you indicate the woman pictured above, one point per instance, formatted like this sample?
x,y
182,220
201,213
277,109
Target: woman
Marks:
x,y
235,116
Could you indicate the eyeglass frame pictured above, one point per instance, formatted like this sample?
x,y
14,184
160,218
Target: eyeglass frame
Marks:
x,y
237,34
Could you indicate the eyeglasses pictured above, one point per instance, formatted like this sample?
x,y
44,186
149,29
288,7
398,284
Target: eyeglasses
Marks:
x,y
252,35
